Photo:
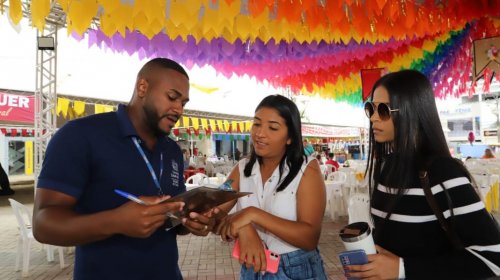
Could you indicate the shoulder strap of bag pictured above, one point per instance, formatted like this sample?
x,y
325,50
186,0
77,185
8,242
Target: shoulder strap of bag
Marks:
x,y
452,236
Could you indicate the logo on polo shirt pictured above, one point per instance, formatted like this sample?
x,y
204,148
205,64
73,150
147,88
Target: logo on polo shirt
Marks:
x,y
175,174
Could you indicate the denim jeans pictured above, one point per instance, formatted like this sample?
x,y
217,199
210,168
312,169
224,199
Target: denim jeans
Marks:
x,y
299,264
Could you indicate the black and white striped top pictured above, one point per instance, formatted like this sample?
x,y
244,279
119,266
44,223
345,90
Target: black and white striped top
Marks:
x,y
414,233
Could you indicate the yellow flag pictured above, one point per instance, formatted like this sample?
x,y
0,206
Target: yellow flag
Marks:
x,y
79,107
80,15
71,113
15,11
248,125
226,125
116,18
28,157
185,121
179,13
99,108
64,4
108,108
220,125
205,89
234,127
242,126
229,12
195,122
213,124
62,106
39,10
204,123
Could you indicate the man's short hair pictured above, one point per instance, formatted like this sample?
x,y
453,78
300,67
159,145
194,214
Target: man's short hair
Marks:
x,y
163,63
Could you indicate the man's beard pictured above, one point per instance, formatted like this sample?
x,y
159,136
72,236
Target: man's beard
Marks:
x,y
153,121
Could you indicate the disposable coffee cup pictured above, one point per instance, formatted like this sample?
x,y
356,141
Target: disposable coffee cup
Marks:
x,y
357,236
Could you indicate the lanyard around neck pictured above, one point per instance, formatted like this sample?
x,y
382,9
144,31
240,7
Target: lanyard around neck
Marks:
x,y
150,167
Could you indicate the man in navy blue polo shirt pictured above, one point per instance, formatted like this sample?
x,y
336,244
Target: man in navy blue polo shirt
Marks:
x,y
88,158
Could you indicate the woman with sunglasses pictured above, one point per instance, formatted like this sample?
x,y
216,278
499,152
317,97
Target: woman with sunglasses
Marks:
x,y
406,138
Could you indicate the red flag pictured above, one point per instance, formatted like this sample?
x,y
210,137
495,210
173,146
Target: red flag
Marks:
x,y
368,79
176,132
208,131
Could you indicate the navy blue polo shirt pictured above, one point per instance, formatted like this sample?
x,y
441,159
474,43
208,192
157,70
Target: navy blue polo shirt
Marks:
x,y
90,157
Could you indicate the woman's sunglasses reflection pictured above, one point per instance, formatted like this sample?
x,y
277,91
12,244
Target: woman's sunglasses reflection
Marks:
x,y
383,110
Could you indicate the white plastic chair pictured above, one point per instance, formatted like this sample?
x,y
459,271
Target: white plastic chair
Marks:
x,y
327,169
221,178
331,168
338,176
335,203
358,208
210,168
24,218
198,179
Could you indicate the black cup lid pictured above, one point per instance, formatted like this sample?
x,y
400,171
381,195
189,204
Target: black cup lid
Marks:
x,y
355,232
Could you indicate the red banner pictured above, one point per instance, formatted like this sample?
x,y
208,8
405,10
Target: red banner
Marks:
x,y
17,108
325,131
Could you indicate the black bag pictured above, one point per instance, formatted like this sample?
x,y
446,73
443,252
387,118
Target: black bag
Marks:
x,y
450,233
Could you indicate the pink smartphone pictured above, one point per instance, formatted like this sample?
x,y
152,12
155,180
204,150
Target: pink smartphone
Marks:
x,y
272,259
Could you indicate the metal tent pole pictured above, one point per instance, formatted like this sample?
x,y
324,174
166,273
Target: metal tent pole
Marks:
x,y
45,93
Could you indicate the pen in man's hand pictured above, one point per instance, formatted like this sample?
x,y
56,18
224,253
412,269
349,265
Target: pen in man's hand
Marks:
x,y
130,196
140,201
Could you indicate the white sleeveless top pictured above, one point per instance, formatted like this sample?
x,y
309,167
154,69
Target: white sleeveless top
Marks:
x,y
282,204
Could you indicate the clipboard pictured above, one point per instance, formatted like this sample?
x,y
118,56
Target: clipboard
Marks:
x,y
202,199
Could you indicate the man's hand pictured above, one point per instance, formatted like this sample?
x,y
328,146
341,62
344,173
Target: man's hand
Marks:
x,y
136,220
201,224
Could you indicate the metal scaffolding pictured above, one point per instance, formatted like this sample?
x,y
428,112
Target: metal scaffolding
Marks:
x,y
45,96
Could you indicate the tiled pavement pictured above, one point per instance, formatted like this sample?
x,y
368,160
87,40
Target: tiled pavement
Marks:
x,y
200,257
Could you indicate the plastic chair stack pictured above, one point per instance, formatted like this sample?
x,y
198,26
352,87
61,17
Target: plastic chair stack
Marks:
x,y
26,238
358,208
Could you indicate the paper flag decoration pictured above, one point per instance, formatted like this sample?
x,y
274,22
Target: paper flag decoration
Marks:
x,y
310,47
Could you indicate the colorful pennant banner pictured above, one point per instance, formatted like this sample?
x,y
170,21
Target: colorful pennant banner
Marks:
x,y
70,109
310,47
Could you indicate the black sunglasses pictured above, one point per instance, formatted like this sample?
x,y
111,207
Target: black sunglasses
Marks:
x,y
383,110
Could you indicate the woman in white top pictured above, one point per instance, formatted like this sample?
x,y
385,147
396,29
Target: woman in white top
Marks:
x,y
286,208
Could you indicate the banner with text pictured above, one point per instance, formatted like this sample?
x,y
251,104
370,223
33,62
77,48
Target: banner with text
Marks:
x,y
17,108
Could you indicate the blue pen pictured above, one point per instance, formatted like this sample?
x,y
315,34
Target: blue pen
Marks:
x,y
130,196
138,200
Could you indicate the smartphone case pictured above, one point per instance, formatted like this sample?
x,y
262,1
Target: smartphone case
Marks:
x,y
272,259
353,257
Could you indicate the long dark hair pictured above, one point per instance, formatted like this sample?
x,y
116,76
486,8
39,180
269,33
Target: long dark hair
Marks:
x,y
294,153
418,135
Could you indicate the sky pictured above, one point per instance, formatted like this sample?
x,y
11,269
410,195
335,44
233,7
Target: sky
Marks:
x,y
104,74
